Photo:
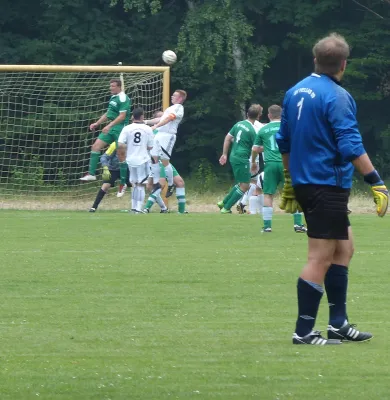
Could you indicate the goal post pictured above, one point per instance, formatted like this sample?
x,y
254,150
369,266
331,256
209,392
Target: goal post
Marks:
x,y
45,141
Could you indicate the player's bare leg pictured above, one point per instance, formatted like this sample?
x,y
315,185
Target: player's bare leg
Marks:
x,y
94,160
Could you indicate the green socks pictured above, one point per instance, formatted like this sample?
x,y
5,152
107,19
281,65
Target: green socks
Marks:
x,y
93,162
235,194
298,218
123,172
229,195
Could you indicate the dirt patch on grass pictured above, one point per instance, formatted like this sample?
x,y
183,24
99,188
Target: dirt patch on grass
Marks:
x,y
202,203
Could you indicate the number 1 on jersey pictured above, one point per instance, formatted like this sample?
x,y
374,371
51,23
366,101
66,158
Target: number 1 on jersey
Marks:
x,y
300,105
238,138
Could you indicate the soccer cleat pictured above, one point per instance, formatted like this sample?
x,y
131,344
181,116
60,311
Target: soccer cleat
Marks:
x,y
300,228
220,205
146,211
121,190
266,230
88,177
170,191
185,212
92,209
314,338
156,186
224,211
348,333
166,211
241,208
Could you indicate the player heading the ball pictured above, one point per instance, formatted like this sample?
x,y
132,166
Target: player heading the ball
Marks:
x,y
165,138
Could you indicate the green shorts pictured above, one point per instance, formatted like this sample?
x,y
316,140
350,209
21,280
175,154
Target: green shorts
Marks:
x,y
163,174
273,177
112,135
241,171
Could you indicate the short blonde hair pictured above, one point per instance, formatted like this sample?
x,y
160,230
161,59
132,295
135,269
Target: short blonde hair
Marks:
x,y
182,93
330,52
275,111
254,111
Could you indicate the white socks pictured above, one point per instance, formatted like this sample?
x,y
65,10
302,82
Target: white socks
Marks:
x,y
267,213
256,204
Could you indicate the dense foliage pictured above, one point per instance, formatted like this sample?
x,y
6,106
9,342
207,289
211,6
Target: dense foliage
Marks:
x,y
230,53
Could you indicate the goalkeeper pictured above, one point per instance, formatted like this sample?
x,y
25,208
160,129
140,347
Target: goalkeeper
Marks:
x,y
321,146
117,115
111,173
273,168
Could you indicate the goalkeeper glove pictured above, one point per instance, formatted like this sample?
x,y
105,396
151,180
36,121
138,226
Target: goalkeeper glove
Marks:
x,y
289,203
106,175
379,192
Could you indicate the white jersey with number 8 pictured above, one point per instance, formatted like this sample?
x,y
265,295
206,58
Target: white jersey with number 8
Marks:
x,y
138,137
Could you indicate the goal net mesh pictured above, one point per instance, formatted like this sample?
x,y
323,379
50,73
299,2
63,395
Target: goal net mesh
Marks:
x,y
45,141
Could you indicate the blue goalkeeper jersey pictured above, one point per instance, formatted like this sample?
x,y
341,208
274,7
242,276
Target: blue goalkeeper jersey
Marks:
x,y
320,131
110,160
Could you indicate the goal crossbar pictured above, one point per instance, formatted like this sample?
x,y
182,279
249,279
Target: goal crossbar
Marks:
x,y
96,68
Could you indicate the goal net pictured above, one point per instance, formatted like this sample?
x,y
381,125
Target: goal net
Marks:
x,y
45,141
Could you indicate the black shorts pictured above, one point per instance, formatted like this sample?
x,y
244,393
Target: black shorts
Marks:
x,y
115,175
325,209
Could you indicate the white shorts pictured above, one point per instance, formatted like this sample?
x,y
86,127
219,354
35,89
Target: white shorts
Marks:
x,y
163,145
140,173
260,179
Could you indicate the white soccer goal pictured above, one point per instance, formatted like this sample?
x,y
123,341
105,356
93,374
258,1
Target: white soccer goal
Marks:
x,y
45,142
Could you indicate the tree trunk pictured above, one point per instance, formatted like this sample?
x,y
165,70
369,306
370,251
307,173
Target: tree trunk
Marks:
x,y
237,57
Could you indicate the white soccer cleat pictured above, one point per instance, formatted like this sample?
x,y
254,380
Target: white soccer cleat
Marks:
x,y
88,177
121,190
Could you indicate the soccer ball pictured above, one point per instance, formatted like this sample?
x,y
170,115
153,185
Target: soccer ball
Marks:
x,y
169,57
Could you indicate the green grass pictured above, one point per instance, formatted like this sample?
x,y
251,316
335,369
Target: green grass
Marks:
x,y
116,306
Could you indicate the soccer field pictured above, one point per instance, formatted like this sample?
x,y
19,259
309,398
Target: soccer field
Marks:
x,y
117,306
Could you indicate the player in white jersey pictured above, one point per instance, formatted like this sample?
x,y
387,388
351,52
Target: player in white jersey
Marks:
x,y
134,142
252,188
165,138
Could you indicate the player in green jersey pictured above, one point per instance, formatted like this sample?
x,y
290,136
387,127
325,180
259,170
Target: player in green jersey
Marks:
x,y
117,115
273,167
240,138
